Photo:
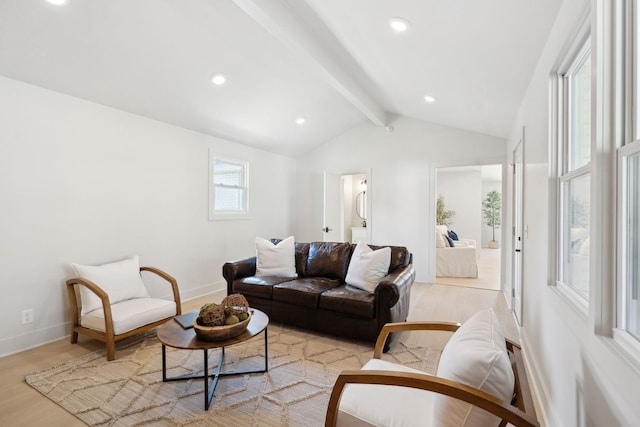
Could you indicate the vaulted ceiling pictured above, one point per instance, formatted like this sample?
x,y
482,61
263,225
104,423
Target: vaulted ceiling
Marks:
x,y
337,63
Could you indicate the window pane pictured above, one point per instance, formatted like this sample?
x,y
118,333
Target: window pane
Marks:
x,y
228,173
580,115
228,199
633,245
575,242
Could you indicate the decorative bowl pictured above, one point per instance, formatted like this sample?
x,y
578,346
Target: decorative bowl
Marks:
x,y
220,333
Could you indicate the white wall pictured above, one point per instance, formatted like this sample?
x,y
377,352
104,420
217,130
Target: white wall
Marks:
x,y
581,377
461,188
80,182
401,183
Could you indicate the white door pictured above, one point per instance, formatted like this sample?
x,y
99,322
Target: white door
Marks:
x,y
332,208
517,244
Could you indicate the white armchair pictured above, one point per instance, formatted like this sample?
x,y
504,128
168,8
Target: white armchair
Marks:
x,y
115,303
457,261
480,381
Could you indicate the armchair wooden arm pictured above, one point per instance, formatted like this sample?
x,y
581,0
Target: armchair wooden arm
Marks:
x,y
409,326
431,383
171,280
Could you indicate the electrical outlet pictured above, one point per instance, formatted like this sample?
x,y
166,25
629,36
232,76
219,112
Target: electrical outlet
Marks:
x,y
27,316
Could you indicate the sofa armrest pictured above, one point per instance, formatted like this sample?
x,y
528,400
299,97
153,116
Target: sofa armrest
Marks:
x,y
238,269
394,285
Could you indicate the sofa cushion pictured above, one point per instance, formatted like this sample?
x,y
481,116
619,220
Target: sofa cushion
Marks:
x,y
120,280
367,267
275,259
260,287
385,405
349,300
303,292
475,355
328,259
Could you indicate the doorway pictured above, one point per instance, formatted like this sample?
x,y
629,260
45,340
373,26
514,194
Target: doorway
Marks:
x,y
347,207
471,199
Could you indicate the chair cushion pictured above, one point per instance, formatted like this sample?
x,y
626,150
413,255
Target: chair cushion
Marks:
x,y
385,405
120,280
475,355
130,314
276,259
367,267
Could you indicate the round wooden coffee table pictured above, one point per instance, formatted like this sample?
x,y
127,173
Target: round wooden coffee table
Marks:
x,y
172,334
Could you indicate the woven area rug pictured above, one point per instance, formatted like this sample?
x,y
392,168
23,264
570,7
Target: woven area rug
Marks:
x,y
295,391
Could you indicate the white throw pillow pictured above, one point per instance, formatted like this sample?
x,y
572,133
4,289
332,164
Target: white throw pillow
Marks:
x,y
276,260
367,267
476,355
440,242
120,280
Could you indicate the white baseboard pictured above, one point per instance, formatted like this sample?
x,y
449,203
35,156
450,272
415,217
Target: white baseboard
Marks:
x,y
40,337
545,410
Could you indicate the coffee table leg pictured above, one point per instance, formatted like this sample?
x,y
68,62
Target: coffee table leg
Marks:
x,y
207,401
266,352
164,363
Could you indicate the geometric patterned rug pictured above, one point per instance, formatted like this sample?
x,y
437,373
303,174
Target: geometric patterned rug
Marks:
x,y
129,391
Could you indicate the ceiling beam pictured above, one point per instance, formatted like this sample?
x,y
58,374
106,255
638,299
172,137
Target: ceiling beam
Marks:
x,y
292,28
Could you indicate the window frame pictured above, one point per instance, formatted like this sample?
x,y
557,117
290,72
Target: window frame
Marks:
x,y
560,171
222,214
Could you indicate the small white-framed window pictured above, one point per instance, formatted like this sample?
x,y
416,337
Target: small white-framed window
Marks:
x,y
573,176
229,188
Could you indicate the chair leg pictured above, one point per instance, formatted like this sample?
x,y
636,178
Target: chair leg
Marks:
x,y
111,349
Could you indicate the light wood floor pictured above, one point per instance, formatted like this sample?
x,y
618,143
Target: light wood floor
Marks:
x,y
20,405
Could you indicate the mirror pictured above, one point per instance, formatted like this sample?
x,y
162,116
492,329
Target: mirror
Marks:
x,y
361,205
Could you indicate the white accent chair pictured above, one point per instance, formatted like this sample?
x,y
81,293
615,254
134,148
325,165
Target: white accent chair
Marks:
x,y
457,261
115,303
480,381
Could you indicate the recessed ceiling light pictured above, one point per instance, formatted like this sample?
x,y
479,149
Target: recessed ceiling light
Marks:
x,y
300,120
399,24
429,99
57,2
218,79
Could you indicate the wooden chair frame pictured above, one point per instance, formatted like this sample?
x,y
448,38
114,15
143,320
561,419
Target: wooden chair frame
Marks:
x,y
519,412
109,337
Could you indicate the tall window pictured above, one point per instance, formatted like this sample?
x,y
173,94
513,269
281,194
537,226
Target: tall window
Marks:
x,y
229,188
574,174
627,331
629,210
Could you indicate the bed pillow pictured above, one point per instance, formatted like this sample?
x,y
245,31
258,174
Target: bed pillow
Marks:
x,y
476,355
367,267
276,259
120,280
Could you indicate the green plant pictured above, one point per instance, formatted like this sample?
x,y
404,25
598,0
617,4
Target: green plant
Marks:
x,y
491,207
443,217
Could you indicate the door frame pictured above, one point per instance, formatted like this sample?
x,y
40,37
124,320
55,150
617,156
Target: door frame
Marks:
x,y
369,206
518,229
431,217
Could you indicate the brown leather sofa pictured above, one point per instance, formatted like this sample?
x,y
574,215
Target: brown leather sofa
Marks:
x,y
318,299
